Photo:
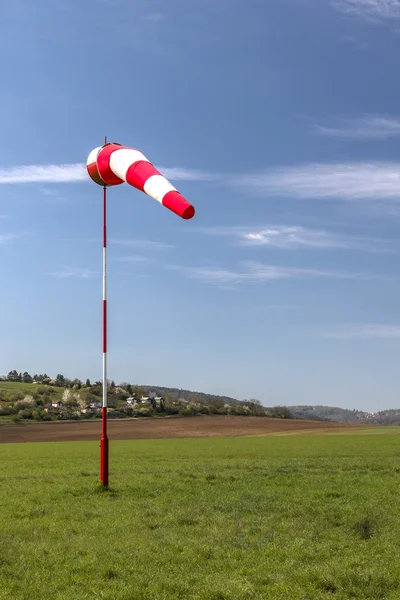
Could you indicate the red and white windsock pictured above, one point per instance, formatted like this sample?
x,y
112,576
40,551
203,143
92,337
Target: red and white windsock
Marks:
x,y
112,164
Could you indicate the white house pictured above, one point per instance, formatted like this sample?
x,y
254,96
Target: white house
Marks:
x,y
56,404
95,405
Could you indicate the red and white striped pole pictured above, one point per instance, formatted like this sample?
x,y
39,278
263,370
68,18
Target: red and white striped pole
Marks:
x,y
104,438
113,164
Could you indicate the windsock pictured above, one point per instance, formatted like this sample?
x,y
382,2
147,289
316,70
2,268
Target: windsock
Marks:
x,y
112,164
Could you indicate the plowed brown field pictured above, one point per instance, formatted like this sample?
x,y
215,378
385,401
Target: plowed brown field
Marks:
x,y
189,427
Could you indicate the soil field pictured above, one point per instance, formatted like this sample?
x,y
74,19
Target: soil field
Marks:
x,y
185,427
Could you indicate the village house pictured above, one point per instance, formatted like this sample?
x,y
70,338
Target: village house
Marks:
x,y
131,401
95,405
56,404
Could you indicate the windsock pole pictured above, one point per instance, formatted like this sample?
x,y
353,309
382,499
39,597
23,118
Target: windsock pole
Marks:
x,y
104,438
113,164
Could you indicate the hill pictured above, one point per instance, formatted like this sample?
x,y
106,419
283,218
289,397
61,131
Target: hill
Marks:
x,y
344,415
50,390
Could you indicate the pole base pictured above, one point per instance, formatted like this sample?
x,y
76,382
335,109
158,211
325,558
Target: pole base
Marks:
x,y
104,461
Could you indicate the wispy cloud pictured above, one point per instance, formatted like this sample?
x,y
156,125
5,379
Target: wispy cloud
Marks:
x,y
253,272
349,39
69,173
74,273
364,331
139,260
363,127
7,237
370,10
179,174
155,17
41,173
289,237
347,181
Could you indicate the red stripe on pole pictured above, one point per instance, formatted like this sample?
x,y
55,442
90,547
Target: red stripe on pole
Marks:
x,y
103,164
177,203
138,173
104,326
104,449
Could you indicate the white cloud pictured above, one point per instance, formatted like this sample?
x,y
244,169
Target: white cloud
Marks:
x,y
254,272
364,127
41,173
291,237
69,173
347,181
370,10
179,174
74,273
365,331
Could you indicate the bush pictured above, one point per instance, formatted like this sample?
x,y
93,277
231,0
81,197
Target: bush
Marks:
x,y
16,419
145,411
38,414
187,411
280,412
26,413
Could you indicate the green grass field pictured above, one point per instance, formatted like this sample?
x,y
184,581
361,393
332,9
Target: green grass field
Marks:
x,y
296,518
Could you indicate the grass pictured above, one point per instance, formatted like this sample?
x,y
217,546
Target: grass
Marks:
x,y
8,388
296,518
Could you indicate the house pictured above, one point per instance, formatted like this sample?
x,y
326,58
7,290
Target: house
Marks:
x,y
156,401
95,405
131,401
181,402
56,404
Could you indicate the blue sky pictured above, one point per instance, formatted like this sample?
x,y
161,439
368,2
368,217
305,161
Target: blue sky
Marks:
x,y
280,122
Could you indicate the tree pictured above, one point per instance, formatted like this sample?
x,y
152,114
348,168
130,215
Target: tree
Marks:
x,y
88,384
26,378
60,380
280,412
29,400
76,384
13,376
